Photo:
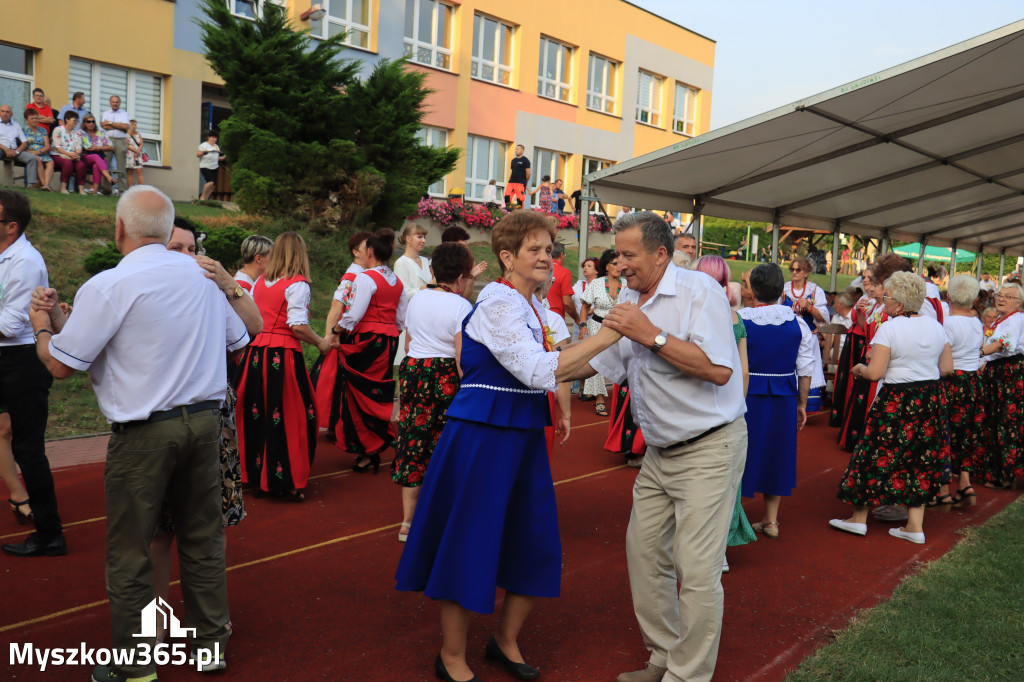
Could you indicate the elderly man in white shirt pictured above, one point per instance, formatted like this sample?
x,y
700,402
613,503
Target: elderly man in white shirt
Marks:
x,y
115,121
153,332
679,355
14,145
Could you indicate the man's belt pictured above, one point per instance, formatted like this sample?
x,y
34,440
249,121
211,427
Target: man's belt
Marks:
x,y
691,441
164,415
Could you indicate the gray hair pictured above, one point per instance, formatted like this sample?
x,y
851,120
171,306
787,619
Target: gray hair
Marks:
x,y
962,290
655,231
146,212
846,299
681,259
1017,288
906,288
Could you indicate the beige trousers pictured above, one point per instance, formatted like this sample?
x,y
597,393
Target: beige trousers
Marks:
x,y
683,501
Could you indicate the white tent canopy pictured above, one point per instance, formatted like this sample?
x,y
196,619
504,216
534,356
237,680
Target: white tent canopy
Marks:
x,y
930,151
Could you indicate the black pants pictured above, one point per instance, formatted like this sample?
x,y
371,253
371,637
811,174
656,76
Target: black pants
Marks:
x,y
25,391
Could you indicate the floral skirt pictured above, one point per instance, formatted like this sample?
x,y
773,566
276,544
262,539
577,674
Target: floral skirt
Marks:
x,y
276,419
903,455
1004,401
966,421
427,387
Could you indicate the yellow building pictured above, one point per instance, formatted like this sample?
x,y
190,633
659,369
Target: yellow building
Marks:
x,y
580,85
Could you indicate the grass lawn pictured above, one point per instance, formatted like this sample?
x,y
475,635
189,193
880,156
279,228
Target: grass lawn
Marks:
x,y
959,618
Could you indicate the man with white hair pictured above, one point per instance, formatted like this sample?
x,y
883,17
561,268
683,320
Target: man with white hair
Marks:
x,y
152,332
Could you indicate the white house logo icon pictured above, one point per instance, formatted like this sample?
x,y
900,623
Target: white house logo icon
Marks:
x,y
160,611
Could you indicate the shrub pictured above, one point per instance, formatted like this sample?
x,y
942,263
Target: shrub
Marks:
x,y
102,259
225,244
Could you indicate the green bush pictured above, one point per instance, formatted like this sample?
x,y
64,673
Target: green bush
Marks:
x,y
102,259
225,244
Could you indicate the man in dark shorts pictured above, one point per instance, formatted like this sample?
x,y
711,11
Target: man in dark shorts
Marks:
x,y
517,179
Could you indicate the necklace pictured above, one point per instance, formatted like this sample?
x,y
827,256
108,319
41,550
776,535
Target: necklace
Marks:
x,y
803,289
548,345
442,287
608,291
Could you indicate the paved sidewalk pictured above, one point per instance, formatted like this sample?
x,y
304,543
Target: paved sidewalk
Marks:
x,y
72,452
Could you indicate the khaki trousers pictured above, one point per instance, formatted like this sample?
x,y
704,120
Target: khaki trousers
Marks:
x,y
179,458
683,501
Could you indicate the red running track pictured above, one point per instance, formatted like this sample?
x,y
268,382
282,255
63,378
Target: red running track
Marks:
x,y
312,589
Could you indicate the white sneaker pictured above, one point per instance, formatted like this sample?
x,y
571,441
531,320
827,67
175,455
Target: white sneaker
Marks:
x,y
725,565
916,538
890,513
115,191
849,527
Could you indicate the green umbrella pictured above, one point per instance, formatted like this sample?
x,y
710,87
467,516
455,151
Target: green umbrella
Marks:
x,y
934,253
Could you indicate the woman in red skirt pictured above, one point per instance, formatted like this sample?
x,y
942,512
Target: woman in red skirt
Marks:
x,y
369,332
275,416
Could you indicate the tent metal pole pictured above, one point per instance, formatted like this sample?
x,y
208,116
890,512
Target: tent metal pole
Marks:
x,y
885,244
952,260
835,257
776,228
920,257
981,260
1002,265
584,225
698,212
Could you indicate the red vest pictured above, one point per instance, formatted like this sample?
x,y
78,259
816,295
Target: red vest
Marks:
x,y
379,317
274,307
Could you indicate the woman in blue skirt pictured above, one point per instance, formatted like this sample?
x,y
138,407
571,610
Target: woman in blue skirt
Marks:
x,y
780,357
486,516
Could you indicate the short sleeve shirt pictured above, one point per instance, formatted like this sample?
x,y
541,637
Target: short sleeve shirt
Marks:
x,y
518,166
915,344
562,286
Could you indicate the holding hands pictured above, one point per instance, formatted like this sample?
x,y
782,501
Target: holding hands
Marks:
x,y
46,310
626,319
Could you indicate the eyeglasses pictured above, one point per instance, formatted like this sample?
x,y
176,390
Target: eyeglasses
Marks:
x,y
796,270
89,120
887,296
1006,296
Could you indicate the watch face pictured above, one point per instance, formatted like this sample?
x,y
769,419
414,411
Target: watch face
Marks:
x,y
661,339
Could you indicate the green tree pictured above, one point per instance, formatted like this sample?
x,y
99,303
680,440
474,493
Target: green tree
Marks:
x,y
306,135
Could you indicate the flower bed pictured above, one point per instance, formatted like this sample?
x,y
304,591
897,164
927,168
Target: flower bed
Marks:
x,y
483,216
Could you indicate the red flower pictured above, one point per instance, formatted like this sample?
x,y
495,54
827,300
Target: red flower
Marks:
x,y
420,420
925,485
898,484
1011,408
890,407
849,482
917,402
427,363
882,462
448,389
929,430
414,477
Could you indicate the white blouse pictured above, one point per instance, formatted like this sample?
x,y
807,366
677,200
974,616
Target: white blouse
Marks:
x,y
1011,332
812,292
344,291
297,295
559,331
363,288
915,344
507,324
414,277
966,336
433,320
242,278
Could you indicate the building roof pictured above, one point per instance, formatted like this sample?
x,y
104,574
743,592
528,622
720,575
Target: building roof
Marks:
x,y
929,150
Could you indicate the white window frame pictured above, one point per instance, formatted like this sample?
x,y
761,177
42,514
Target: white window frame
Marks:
x,y
438,53
439,188
556,165
604,101
562,89
685,122
257,8
347,24
24,78
497,165
598,164
98,105
479,61
649,112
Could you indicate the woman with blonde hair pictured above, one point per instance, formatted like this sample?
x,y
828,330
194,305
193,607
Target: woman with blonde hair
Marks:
x,y
1004,388
275,408
412,268
134,154
903,456
255,254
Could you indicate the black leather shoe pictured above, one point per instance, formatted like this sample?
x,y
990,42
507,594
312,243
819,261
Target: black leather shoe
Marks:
x,y
35,546
442,672
520,671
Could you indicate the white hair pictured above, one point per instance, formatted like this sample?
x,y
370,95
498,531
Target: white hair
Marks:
x,y
1013,286
962,290
681,259
146,212
906,288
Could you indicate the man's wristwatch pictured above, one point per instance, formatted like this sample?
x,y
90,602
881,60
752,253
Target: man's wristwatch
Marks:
x,y
237,293
659,341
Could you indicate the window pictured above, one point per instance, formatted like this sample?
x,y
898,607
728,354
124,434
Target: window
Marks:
x,y
344,15
435,137
555,78
485,161
141,96
684,116
593,165
15,78
492,50
247,9
648,99
428,33
601,85
547,162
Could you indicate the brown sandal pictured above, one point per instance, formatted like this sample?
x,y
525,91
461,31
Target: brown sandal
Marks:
x,y
601,410
769,528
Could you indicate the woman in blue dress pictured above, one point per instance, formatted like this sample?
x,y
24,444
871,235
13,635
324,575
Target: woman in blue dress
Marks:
x,y
780,356
808,301
486,517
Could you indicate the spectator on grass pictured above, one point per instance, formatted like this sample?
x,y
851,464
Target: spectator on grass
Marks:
x,y
24,382
903,456
39,145
76,105
209,161
120,321
14,145
135,156
41,105
115,122
66,151
95,147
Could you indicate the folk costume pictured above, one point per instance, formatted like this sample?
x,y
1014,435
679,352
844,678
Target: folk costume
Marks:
x,y
327,389
964,397
857,393
816,295
1004,399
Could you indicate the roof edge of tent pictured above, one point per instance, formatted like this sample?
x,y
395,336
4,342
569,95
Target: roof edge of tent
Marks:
x,y
857,84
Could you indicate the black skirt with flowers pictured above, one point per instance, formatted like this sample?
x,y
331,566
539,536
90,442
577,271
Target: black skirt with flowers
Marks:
x,y
966,421
903,456
427,388
1004,411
